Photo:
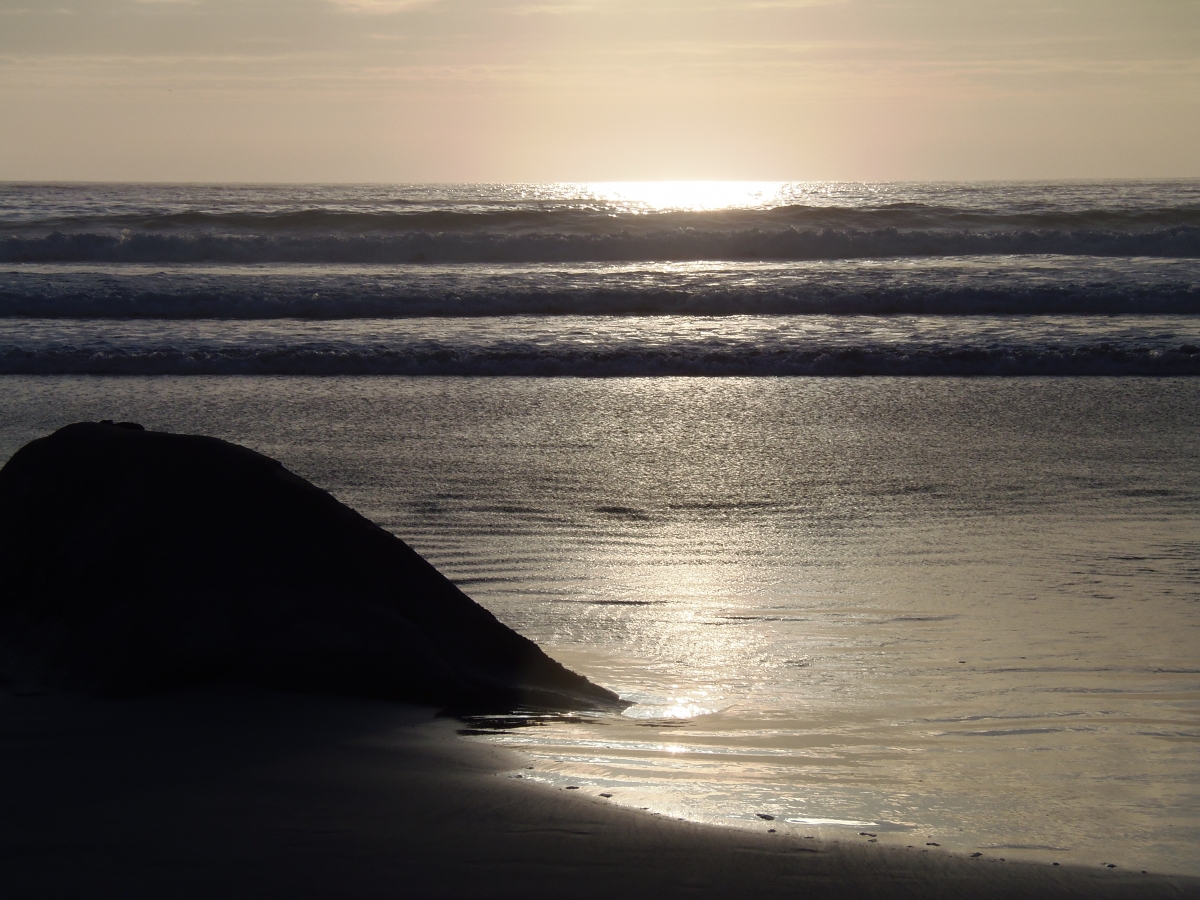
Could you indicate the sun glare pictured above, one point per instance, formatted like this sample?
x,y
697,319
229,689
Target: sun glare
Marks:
x,y
658,196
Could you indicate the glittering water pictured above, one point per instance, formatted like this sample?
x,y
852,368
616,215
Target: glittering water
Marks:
x,y
949,610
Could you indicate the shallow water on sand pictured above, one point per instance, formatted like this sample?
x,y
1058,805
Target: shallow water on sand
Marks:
x,y
964,612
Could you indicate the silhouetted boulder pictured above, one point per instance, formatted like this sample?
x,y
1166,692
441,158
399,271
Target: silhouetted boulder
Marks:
x,y
135,561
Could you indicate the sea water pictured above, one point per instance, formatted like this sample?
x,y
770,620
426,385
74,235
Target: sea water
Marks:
x,y
923,605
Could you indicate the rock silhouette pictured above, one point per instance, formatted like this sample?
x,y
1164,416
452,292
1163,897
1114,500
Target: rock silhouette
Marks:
x,y
136,561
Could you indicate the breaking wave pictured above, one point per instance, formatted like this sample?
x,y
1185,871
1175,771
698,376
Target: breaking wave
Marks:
x,y
631,243
612,346
965,286
581,217
562,280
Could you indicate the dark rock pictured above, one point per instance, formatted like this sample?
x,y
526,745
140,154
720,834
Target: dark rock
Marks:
x,y
765,817
137,561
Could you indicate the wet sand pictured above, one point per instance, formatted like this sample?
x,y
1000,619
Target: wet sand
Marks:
x,y
239,793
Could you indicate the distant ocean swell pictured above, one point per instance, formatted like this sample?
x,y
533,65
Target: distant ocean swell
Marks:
x,y
581,217
633,242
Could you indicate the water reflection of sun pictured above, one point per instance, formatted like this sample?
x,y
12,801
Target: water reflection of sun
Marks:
x,y
656,196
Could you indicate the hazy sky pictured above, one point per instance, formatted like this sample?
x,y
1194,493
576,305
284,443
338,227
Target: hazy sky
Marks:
x,y
494,90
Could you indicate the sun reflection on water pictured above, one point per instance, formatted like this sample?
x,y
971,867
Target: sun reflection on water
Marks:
x,y
672,709
659,196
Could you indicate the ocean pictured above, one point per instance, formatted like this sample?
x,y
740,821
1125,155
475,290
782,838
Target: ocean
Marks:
x,y
879,501
709,279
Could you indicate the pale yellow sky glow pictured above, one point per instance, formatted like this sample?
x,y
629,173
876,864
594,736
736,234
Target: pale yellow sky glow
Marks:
x,y
597,90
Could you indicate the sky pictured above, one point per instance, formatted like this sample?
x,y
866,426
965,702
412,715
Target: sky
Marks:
x,y
571,90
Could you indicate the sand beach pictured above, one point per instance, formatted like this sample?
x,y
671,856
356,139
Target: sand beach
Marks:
x,y
239,793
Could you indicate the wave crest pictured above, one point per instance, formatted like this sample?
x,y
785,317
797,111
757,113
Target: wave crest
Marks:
x,y
967,286
680,244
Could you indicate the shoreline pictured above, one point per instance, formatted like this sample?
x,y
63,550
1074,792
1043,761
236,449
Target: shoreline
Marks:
x,y
245,793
